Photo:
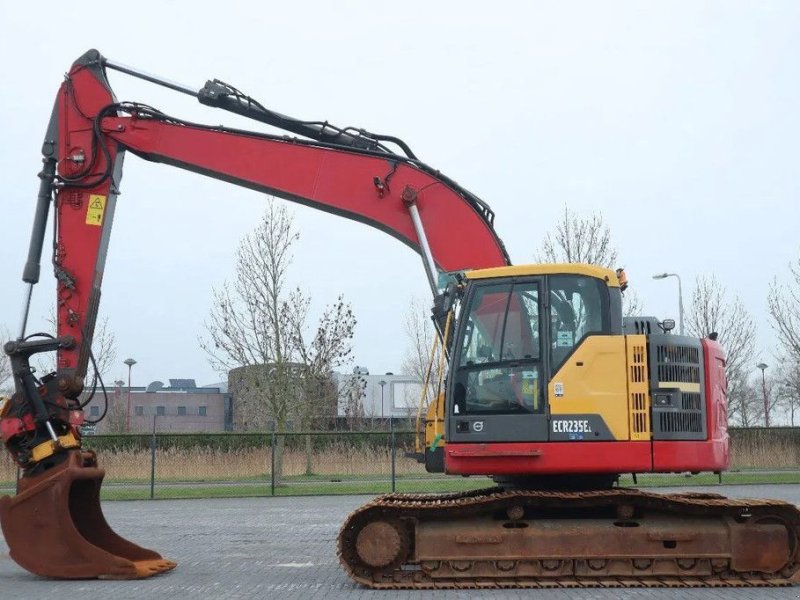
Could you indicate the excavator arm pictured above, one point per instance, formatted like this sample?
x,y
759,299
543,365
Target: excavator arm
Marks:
x,y
348,172
350,177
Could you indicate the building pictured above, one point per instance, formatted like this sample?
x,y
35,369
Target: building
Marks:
x,y
181,406
184,407
383,396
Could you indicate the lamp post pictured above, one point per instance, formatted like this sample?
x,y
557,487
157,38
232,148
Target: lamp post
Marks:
x,y
763,367
680,296
382,383
130,362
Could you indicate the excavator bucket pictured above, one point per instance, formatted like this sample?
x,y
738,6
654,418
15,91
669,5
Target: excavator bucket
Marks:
x,y
55,527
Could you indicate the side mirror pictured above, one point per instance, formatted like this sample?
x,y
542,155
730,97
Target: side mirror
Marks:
x,y
667,325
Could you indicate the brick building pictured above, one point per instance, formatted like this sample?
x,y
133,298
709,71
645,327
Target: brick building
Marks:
x,y
181,406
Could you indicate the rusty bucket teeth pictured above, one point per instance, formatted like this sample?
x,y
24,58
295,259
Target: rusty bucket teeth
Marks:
x,y
54,527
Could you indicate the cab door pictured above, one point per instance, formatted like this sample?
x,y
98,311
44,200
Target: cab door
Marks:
x,y
586,365
497,383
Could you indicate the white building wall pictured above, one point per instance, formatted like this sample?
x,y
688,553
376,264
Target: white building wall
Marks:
x,y
399,397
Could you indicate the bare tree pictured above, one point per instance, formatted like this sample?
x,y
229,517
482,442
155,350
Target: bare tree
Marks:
x,y
788,388
352,391
104,350
579,239
330,347
585,239
420,338
250,327
631,304
746,407
711,310
116,419
258,327
784,312
6,386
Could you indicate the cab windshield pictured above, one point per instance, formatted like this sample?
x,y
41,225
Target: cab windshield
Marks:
x,y
499,360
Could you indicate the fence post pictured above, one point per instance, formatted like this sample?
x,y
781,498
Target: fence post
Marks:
x,y
272,465
394,451
153,461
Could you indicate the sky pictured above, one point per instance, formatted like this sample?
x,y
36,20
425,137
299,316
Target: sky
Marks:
x,y
677,121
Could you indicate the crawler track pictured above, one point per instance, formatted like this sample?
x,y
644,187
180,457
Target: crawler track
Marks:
x,y
495,538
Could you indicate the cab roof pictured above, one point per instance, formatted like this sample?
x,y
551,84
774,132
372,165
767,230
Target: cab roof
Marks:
x,y
607,275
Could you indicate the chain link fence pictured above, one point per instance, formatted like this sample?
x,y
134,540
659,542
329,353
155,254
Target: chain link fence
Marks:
x,y
203,465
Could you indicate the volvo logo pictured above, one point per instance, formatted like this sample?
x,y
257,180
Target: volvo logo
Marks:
x,y
477,426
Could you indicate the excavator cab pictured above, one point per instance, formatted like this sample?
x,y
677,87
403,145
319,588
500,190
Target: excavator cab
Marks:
x,y
518,325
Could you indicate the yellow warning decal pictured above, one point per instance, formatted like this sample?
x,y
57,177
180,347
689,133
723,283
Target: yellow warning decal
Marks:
x,y
97,206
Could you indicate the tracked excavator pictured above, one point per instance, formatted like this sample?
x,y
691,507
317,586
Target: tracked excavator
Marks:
x,y
547,390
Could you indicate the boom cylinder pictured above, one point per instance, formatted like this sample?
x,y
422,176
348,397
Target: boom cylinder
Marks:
x,y
32,266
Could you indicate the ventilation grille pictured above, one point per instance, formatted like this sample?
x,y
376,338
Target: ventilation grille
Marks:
x,y
638,397
690,401
679,373
638,415
679,354
679,411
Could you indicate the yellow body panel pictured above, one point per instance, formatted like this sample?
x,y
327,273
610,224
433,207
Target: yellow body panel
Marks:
x,y
607,275
594,380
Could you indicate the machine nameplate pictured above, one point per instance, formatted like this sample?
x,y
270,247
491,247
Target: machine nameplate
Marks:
x,y
571,426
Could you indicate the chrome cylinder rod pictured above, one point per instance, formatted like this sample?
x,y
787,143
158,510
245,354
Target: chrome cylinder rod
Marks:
x,y
26,309
427,256
178,87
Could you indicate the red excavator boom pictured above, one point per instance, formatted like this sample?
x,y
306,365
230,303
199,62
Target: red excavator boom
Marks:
x,y
348,172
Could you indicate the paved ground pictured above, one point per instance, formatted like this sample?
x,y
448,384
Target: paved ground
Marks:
x,y
285,548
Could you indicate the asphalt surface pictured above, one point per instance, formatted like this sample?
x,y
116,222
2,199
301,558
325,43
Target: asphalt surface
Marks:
x,y
285,547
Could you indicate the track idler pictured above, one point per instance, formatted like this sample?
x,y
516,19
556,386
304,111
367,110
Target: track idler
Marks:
x,y
54,527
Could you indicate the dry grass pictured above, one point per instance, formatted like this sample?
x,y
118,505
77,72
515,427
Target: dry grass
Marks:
x,y
764,452
8,468
194,464
198,464
204,463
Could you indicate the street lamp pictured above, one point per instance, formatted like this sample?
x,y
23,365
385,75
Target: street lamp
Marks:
x,y
763,367
382,383
680,296
130,362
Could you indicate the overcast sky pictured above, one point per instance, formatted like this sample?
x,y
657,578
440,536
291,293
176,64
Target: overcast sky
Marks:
x,y
678,121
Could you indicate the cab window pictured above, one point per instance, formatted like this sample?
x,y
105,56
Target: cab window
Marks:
x,y
499,370
578,307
